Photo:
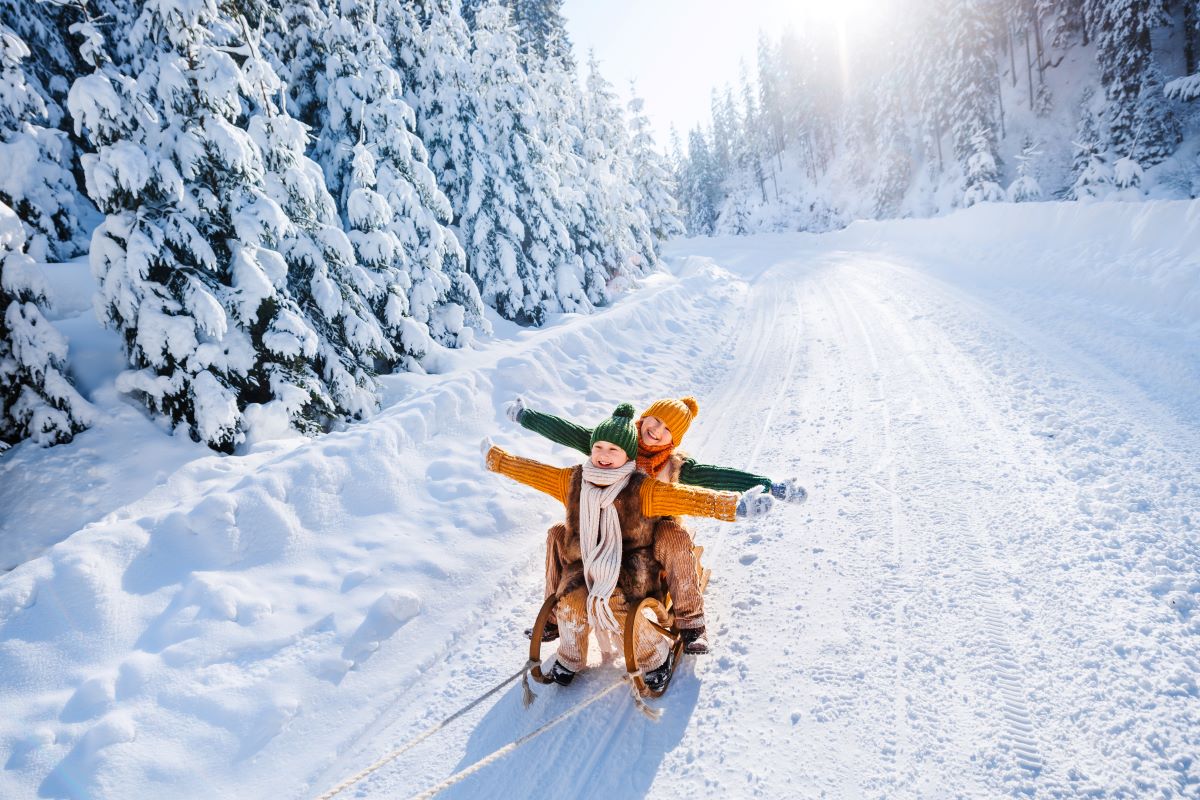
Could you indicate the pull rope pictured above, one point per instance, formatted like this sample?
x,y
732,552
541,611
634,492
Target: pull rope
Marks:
x,y
652,714
511,746
411,743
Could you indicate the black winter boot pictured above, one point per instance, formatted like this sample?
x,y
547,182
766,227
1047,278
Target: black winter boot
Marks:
x,y
561,675
658,678
549,632
695,641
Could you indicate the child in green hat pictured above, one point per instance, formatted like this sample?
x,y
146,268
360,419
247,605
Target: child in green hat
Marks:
x,y
612,511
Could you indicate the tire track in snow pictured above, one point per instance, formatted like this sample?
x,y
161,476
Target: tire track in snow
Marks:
x,y
1098,416
896,736
1005,668
735,423
964,383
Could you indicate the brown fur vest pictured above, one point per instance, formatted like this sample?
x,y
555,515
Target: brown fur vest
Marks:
x,y
640,571
672,469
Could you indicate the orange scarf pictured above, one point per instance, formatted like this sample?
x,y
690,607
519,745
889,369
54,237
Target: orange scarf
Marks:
x,y
651,460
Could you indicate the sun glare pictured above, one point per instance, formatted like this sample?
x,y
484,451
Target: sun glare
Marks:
x,y
847,17
848,23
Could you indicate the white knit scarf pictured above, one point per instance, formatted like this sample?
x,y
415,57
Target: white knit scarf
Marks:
x,y
600,544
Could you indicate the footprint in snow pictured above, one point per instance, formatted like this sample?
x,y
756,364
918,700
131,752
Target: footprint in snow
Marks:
x,y
268,724
91,699
385,617
79,764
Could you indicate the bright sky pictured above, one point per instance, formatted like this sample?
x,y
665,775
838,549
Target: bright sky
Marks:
x,y
678,50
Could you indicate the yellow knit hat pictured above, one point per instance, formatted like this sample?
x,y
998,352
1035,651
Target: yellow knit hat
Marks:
x,y
677,415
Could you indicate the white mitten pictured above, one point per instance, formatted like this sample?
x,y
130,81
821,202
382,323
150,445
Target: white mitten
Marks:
x,y
789,491
515,409
754,503
485,447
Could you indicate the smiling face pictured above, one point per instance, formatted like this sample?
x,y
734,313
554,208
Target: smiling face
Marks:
x,y
607,455
654,432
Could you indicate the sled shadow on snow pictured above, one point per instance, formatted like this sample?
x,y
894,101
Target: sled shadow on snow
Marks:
x,y
607,750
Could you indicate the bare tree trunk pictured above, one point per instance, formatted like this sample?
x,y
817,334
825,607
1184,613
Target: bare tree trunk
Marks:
x,y
1012,55
1041,51
1189,36
937,138
1000,104
1029,69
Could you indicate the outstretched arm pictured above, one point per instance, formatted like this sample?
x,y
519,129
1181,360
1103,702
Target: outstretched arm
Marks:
x,y
671,499
556,429
722,479
554,481
735,480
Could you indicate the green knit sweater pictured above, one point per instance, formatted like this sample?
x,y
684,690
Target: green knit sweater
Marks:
x,y
577,437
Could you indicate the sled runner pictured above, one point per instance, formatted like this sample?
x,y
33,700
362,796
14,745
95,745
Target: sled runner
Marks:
x,y
652,611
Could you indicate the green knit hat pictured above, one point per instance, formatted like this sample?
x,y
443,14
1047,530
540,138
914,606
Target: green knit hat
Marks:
x,y
619,430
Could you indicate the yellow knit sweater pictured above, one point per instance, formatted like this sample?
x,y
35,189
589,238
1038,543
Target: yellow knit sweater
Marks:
x,y
658,499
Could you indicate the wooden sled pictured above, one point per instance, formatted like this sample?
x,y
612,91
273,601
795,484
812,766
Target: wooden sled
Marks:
x,y
658,615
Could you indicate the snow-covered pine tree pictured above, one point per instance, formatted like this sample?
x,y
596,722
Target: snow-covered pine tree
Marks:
x,y
1089,164
1140,124
469,9
295,37
442,70
812,96
754,144
651,175
1094,176
626,228
1158,132
1026,187
542,31
186,259
982,184
893,170
37,401
770,100
1191,36
33,181
518,248
1066,21
430,48
43,27
974,89
580,202
1127,173
326,290
1185,88
858,138
701,186
675,157
721,135
928,63
377,168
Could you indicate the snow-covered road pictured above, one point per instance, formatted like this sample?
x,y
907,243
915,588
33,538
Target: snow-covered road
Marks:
x,y
990,592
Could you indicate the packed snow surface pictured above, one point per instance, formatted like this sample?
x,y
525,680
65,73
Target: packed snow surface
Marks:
x,y
993,589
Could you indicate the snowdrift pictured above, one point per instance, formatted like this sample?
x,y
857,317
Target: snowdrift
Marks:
x,y
1135,258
